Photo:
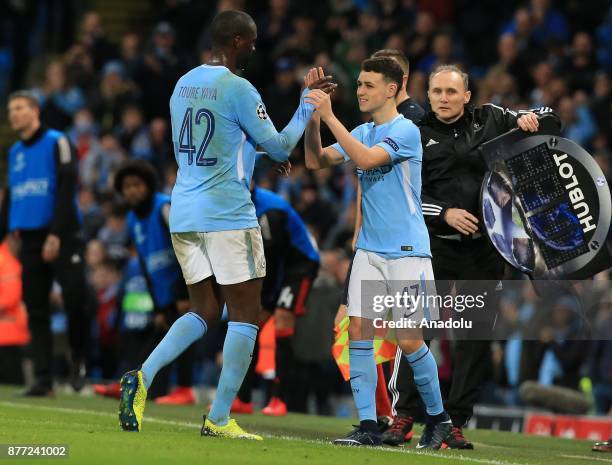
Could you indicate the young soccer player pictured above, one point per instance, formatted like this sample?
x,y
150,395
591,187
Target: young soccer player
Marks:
x,y
218,119
393,245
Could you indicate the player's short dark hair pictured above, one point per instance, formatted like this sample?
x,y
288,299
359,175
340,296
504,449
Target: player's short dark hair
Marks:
x,y
135,167
397,55
26,95
229,24
451,69
388,67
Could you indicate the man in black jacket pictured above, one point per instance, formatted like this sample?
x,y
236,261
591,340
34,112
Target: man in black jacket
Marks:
x,y
453,170
39,206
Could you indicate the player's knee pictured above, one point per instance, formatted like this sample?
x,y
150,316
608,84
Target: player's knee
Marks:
x,y
360,329
410,345
244,314
208,313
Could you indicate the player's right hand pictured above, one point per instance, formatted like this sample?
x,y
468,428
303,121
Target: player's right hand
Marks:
x,y
462,220
321,102
316,79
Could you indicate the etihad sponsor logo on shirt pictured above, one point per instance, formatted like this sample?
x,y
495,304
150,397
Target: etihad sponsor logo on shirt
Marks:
x,y
31,188
374,174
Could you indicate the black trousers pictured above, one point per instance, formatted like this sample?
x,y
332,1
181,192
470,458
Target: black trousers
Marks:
x,y
37,275
462,264
11,358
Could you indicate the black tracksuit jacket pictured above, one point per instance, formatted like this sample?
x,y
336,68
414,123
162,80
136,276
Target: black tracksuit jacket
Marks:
x,y
453,165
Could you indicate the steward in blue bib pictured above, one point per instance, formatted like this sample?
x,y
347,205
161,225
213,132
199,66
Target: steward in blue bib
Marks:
x,y
42,178
148,228
39,206
148,217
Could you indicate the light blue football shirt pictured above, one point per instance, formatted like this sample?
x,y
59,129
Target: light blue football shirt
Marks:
x,y
393,224
218,119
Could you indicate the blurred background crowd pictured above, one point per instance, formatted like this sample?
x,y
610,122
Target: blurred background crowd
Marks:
x,y
104,72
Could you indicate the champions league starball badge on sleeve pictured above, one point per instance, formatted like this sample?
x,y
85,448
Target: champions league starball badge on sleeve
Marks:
x,y
546,205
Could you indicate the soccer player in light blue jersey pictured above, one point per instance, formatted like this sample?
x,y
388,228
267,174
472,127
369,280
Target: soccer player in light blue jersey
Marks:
x,y
218,119
392,250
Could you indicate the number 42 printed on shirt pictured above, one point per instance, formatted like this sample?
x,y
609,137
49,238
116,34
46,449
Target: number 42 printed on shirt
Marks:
x,y
187,133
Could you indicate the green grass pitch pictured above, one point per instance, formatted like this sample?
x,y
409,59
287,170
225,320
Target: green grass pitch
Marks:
x,y
171,435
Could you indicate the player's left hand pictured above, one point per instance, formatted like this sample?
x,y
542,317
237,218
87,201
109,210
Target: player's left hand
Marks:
x,y
283,168
51,248
316,79
322,103
528,122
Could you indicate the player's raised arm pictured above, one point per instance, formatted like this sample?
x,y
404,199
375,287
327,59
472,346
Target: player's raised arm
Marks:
x,y
316,156
364,157
358,218
252,113
254,120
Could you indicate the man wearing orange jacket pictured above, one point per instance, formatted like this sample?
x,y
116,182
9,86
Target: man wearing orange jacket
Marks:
x,y
14,332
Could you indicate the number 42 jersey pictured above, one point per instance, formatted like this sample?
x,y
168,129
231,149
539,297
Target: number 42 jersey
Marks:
x,y
218,119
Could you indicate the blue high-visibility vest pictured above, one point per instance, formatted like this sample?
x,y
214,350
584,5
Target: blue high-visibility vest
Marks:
x,y
33,182
154,246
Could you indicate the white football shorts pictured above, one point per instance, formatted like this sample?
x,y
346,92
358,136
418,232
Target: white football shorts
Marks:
x,y
379,285
232,256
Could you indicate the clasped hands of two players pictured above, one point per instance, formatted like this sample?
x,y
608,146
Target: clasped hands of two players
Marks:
x,y
318,83
462,220
320,87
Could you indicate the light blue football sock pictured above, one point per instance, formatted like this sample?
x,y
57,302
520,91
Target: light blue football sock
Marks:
x,y
185,331
237,354
425,373
363,378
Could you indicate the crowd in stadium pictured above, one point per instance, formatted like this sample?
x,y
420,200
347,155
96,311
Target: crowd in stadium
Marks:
x,y
111,99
